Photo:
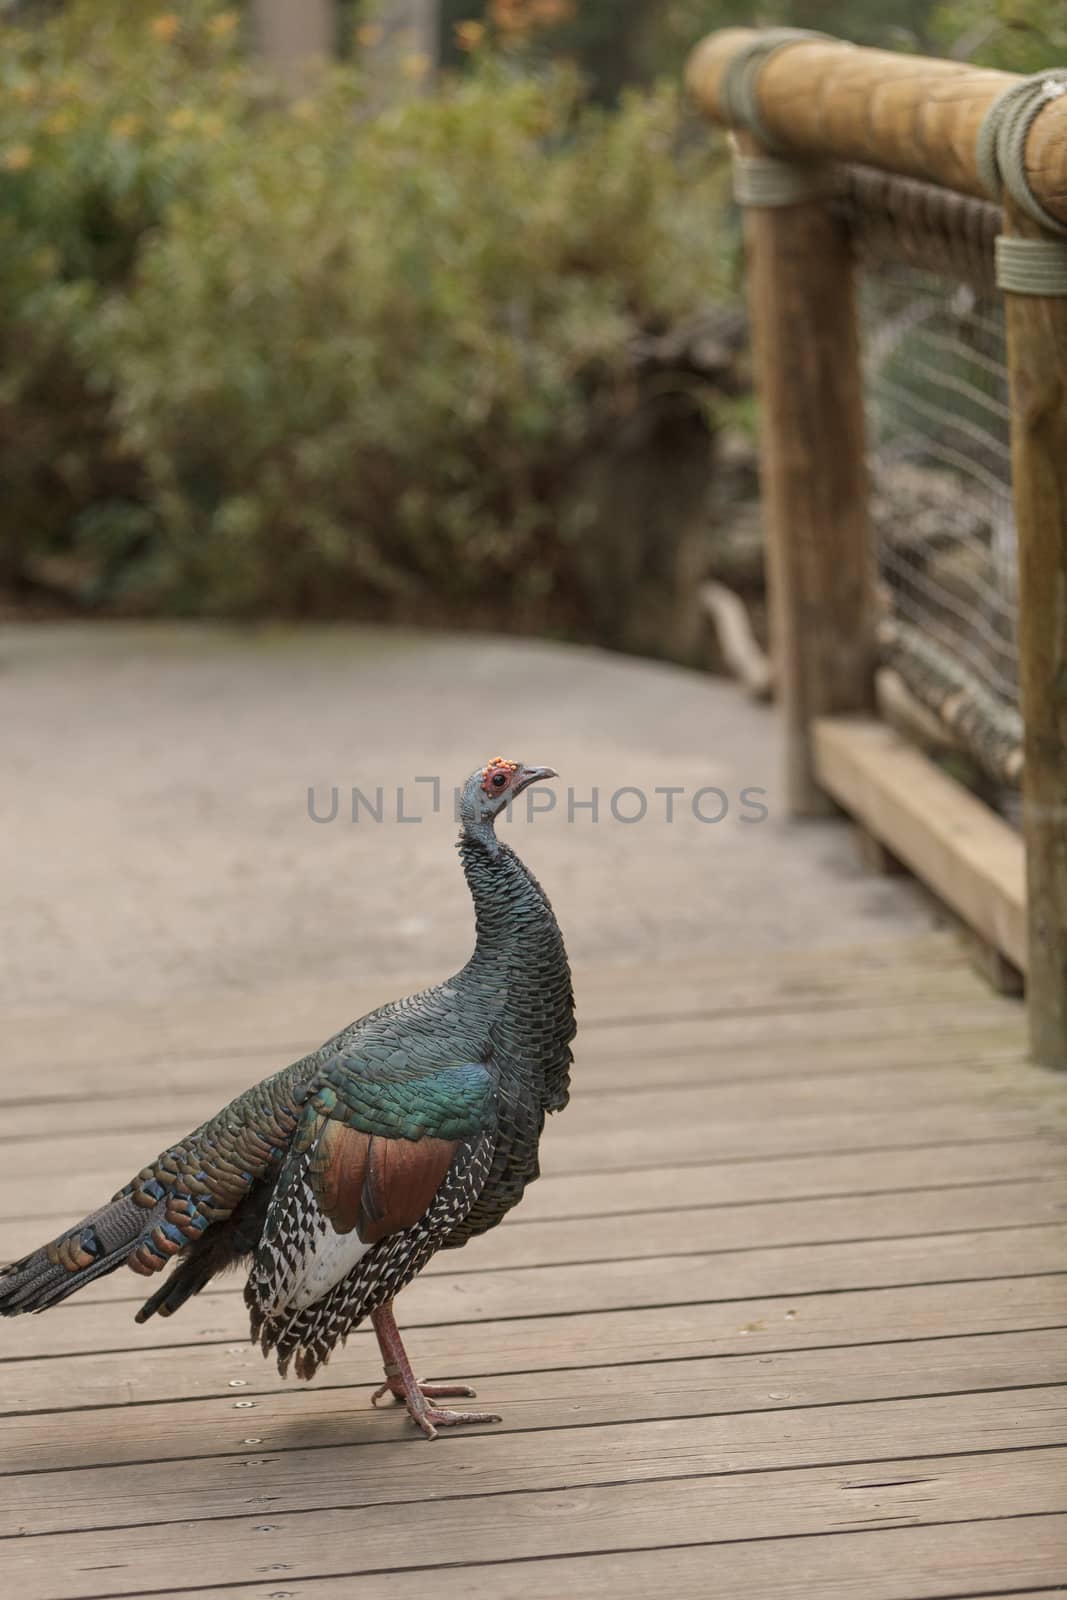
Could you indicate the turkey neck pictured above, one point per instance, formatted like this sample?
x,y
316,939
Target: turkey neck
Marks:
x,y
519,964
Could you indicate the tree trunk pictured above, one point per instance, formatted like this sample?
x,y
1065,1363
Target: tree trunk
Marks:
x,y
402,47
295,39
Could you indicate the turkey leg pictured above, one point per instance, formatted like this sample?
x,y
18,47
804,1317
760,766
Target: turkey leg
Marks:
x,y
402,1383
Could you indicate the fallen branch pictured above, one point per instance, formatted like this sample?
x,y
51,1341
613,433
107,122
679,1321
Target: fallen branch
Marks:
x,y
907,715
990,732
741,650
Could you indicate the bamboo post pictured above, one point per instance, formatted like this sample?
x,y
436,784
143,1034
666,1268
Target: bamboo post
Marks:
x,y
813,475
1037,364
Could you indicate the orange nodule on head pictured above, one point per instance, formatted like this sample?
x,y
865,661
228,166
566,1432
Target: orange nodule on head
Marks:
x,y
499,765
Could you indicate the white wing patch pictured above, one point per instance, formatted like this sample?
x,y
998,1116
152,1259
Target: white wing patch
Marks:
x,y
301,1255
331,1258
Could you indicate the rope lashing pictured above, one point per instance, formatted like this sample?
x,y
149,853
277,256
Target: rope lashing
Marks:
x,y
1002,142
767,180
1031,266
1024,266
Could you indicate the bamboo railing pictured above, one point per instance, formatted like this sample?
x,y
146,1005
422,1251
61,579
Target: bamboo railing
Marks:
x,y
816,104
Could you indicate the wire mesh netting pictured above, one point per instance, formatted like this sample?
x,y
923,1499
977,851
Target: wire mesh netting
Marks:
x,y
938,438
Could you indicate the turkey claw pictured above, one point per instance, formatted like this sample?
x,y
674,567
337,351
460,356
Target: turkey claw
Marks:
x,y
402,1384
430,1418
429,1391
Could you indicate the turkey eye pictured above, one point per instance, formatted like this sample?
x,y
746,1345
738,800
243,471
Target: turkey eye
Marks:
x,y
499,780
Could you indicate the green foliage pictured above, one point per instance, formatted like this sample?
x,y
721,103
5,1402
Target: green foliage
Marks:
x,y
1015,35
259,356
105,116
270,357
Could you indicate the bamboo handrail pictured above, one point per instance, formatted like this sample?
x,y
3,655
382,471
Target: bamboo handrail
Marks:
x,y
905,114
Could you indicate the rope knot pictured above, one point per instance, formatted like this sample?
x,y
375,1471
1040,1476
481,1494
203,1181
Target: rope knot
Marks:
x,y
767,180
1002,137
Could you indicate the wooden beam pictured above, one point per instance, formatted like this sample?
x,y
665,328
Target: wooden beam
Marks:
x,y
968,855
907,114
813,475
1037,364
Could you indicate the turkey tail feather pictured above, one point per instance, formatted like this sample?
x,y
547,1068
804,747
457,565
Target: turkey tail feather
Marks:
x,y
186,1280
95,1247
222,1247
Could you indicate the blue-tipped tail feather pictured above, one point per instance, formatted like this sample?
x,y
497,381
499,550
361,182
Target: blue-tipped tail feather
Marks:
x,y
95,1247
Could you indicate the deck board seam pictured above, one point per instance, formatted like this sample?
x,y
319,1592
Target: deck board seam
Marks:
x,y
705,1253
513,1372
576,1427
556,1316
1013,1179
620,1550
565,1486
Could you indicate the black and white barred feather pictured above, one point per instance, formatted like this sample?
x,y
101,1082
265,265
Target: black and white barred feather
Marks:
x,y
312,1333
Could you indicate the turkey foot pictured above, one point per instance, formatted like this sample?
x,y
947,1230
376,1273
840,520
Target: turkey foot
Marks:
x,y
402,1383
394,1385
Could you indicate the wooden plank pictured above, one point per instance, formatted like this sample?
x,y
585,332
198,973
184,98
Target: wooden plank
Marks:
x,y
1027,1555
570,1194
69,1566
297,1015
309,1007
963,850
1037,353
638,1236
610,1132
218,1360
683,1052
794,1032
973,1018
471,1297
172,1112
206,1083
733,1402
389,1472
295,1417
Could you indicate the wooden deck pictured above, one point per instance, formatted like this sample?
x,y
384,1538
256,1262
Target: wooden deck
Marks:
x,y
785,1317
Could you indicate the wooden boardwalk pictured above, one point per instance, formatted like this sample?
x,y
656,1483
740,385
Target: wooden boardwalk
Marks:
x,y
785,1317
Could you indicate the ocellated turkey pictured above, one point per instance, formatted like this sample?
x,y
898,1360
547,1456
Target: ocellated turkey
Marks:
x,y
335,1180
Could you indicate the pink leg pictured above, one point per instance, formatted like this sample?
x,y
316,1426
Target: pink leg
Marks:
x,y
402,1383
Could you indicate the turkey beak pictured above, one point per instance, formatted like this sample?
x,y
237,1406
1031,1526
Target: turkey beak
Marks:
x,y
530,775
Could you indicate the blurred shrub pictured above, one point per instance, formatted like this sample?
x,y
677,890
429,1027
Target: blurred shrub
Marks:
x,y
103,120
267,357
